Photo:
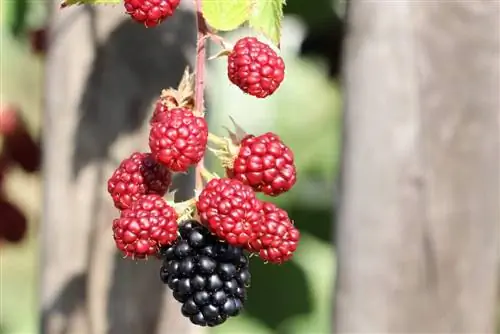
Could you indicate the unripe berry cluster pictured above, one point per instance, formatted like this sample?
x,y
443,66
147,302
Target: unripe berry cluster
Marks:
x,y
17,147
204,242
253,66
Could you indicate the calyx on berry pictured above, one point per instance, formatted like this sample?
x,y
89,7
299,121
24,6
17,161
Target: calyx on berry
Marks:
x,y
180,97
262,162
227,148
183,96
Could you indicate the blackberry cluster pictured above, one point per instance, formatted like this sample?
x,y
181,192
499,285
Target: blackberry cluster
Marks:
x,y
209,277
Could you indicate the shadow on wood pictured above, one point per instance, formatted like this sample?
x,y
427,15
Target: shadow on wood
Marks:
x,y
104,74
130,69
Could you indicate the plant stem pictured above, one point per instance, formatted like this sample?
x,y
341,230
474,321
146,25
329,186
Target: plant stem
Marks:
x,y
199,103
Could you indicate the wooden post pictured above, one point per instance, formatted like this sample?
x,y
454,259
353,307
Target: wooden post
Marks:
x,y
103,74
418,234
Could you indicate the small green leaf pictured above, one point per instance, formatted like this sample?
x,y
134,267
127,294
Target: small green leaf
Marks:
x,y
67,3
16,14
266,18
226,15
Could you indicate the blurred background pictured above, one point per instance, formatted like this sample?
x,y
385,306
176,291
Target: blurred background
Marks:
x,y
91,96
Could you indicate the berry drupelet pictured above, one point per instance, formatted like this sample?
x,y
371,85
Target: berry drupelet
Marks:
x,y
206,275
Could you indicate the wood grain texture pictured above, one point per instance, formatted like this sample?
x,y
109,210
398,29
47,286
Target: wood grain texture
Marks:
x,y
418,229
103,74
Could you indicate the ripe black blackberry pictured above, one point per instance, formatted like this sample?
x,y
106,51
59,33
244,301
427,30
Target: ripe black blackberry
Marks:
x,y
208,276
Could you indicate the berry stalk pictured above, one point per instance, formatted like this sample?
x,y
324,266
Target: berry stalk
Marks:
x,y
199,103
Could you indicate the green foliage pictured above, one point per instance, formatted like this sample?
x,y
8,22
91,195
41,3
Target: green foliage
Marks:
x,y
314,16
263,16
16,13
266,18
226,15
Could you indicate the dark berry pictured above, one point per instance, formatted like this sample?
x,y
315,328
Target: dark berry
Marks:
x,y
183,249
189,307
173,267
198,282
239,304
214,283
244,277
202,298
187,228
226,271
172,282
219,297
207,265
208,276
210,311
163,274
208,251
196,239
167,253
229,307
217,321
198,319
241,293
186,267
180,297
231,286
184,286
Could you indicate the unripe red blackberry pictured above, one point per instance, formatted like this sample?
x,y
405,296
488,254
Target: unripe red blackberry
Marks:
x,y
255,68
276,239
149,224
38,39
18,142
138,175
150,12
265,163
13,222
229,209
207,276
179,140
160,112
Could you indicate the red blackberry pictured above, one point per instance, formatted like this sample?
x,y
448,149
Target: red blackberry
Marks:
x,y
265,163
150,12
38,39
137,175
229,209
13,223
179,140
207,276
276,239
160,112
18,143
10,120
149,224
255,68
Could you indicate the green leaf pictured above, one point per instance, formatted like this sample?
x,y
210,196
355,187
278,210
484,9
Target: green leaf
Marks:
x,y
226,15
67,3
16,14
266,18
